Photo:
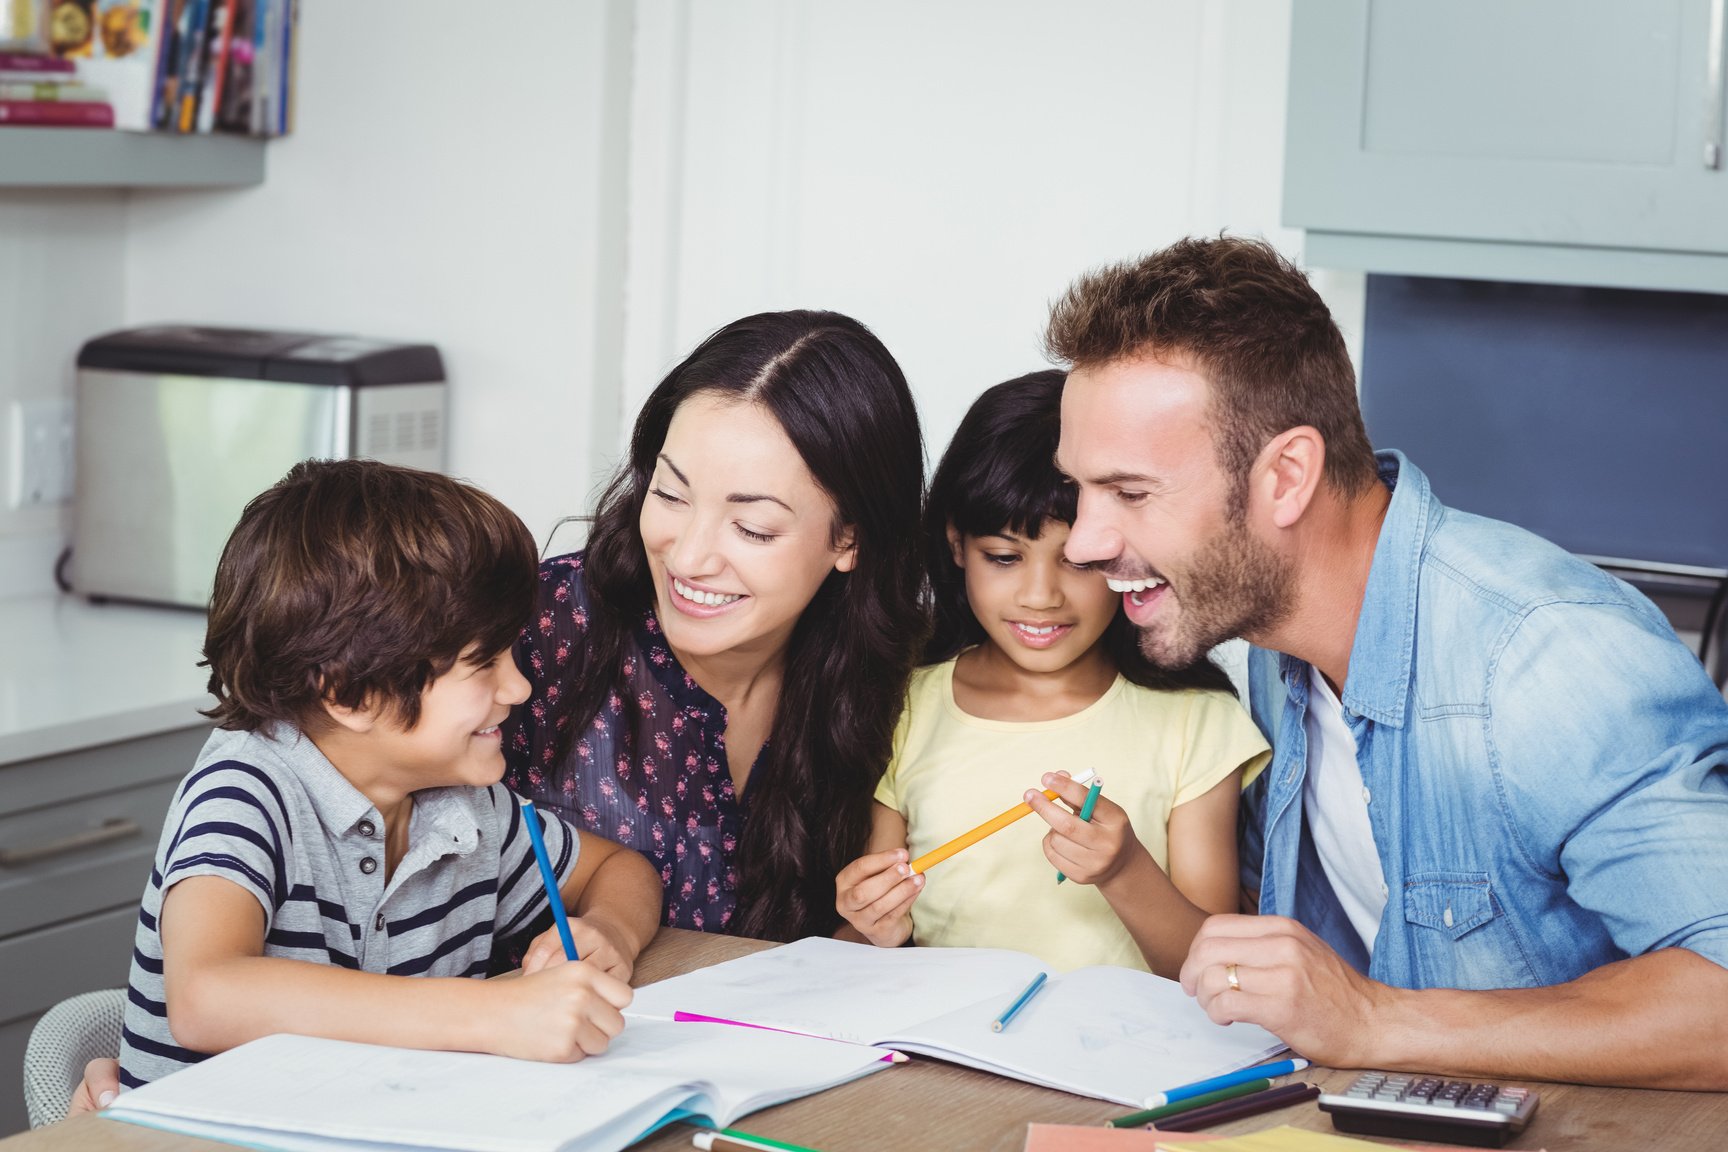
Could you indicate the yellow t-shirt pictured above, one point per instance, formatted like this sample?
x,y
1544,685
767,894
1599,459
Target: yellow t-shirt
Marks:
x,y
952,771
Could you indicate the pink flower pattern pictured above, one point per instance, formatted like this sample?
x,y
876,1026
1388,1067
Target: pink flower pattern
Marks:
x,y
659,783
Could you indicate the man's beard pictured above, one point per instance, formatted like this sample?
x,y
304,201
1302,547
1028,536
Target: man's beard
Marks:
x,y
1234,585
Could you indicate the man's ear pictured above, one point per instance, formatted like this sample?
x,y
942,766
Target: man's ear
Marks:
x,y
956,545
848,557
1289,472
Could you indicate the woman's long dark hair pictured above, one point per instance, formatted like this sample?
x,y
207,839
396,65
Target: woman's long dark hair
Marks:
x,y
999,472
844,404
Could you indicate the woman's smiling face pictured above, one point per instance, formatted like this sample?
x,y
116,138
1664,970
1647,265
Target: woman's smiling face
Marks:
x,y
738,534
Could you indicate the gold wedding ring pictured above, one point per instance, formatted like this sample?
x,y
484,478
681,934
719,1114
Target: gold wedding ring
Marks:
x,y
1230,978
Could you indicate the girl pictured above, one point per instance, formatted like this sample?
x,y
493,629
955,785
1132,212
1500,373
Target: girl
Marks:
x,y
1032,669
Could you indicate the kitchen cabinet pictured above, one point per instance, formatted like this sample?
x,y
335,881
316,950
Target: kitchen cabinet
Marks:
x,y
99,721
1549,141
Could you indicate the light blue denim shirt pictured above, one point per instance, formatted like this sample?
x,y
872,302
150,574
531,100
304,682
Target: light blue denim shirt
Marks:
x,y
1545,761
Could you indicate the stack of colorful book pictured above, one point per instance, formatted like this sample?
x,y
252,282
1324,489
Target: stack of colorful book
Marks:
x,y
180,66
44,90
226,66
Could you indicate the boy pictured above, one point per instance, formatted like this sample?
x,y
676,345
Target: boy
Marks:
x,y
345,826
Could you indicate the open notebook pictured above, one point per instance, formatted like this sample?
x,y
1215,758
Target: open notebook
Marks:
x,y
300,1094
1107,1032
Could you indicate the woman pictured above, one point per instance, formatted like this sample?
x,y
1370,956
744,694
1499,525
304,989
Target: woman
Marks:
x,y
716,678
750,586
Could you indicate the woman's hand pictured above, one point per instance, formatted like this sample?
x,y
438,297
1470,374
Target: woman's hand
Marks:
x,y
874,894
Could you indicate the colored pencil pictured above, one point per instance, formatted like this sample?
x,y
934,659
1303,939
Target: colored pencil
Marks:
x,y
1150,1115
960,843
732,1140
1275,1068
559,916
1259,1102
1001,1021
1085,815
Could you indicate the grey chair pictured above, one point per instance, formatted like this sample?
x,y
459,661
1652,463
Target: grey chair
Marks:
x,y
69,1035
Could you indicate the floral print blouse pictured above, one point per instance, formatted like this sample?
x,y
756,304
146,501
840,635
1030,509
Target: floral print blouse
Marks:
x,y
661,785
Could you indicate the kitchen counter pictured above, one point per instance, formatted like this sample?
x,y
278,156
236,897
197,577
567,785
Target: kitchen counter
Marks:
x,y
75,674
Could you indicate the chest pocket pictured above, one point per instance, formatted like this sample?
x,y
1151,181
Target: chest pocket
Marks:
x,y
1460,936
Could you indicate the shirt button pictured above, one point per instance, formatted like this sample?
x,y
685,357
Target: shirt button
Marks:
x,y
368,865
367,828
378,922
1446,917
1367,796
1384,891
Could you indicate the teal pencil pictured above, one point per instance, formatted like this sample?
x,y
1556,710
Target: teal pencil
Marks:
x,y
1086,813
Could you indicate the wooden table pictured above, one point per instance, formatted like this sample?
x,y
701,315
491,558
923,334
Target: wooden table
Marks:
x,y
927,1104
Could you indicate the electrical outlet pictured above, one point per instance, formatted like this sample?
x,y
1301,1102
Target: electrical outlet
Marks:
x,y
40,452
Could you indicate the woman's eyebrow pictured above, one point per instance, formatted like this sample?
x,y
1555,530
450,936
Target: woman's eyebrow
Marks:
x,y
733,497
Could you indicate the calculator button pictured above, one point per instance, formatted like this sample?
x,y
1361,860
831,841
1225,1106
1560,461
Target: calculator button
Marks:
x,y
1506,1107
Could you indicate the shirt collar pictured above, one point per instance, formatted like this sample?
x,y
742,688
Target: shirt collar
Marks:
x,y
450,813
1383,652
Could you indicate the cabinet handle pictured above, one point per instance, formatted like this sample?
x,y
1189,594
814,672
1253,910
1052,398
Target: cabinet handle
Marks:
x,y
118,828
1713,88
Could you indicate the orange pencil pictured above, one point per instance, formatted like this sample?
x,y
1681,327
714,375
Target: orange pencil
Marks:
x,y
995,824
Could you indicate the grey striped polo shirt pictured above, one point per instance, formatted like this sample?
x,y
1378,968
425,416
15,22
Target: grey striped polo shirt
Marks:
x,y
268,812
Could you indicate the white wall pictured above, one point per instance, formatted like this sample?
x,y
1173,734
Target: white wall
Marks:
x,y
940,170
60,257
567,216
444,182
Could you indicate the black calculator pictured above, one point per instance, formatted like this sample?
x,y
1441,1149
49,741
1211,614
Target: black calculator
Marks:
x,y
1430,1108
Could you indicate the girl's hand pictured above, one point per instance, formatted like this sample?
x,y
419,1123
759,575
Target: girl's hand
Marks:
x,y
559,1014
1087,852
874,894
598,942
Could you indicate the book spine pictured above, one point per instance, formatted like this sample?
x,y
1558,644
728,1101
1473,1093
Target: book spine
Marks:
x,y
64,93
215,62
258,113
57,113
36,65
191,67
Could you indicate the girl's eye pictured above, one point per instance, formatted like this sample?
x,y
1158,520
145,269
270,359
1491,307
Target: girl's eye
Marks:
x,y
1001,559
758,537
1077,567
665,496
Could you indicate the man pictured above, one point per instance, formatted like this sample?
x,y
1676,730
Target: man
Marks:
x,y
1493,840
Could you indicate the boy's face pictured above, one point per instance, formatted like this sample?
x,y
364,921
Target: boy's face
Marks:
x,y
457,741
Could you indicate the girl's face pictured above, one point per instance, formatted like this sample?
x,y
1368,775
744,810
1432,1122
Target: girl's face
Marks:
x,y
1041,611
737,531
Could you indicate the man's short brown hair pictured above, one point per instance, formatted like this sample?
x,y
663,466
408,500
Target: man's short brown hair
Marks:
x,y
357,583
1252,325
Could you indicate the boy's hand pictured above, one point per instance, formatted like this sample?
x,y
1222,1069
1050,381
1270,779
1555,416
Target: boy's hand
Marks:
x,y
874,894
598,941
1087,852
97,1090
559,1014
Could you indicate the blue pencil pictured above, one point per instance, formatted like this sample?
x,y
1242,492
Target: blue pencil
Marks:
x,y
1085,814
1276,1068
559,917
1001,1021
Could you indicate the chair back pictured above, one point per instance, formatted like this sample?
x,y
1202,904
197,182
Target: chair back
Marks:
x,y
68,1036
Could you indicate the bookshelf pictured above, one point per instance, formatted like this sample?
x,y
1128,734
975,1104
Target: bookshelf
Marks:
x,y
102,158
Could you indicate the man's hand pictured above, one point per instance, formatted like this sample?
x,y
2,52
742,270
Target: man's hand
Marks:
x,y
1289,982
